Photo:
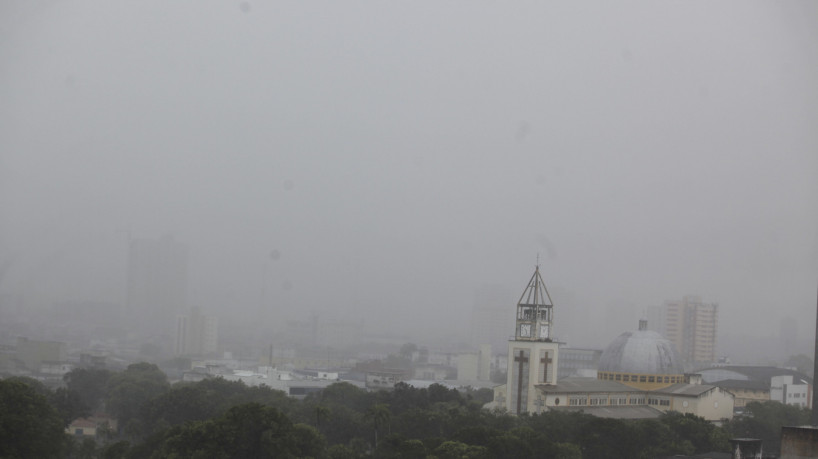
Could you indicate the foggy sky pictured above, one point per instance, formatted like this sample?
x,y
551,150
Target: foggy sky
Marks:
x,y
399,155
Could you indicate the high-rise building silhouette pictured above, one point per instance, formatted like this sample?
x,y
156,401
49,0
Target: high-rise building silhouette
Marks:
x,y
157,285
490,321
197,334
691,325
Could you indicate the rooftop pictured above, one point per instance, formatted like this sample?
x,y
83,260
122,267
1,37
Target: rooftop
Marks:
x,y
586,385
614,412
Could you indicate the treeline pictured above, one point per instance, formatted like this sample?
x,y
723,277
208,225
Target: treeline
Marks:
x,y
222,419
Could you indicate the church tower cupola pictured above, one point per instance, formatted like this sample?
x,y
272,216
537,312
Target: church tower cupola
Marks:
x,y
535,311
533,356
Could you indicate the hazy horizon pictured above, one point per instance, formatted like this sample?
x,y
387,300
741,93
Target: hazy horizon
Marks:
x,y
395,158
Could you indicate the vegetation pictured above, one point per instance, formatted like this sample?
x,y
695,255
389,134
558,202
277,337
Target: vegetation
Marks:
x,y
223,419
29,425
764,421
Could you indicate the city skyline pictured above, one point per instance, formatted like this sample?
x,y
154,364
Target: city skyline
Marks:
x,y
394,159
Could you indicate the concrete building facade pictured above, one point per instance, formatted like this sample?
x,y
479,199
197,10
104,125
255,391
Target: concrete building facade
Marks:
x,y
691,325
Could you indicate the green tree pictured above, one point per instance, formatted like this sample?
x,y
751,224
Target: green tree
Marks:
x,y
439,393
245,431
69,405
29,425
509,446
405,397
567,451
308,441
765,419
458,450
347,395
379,415
321,412
91,385
130,391
342,452
182,403
656,439
396,446
608,439
702,434
116,450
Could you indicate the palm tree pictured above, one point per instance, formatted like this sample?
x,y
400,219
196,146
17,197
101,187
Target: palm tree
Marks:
x,y
380,415
321,411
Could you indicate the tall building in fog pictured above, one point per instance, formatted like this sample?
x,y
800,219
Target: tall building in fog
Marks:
x,y
197,334
691,325
157,285
788,335
490,321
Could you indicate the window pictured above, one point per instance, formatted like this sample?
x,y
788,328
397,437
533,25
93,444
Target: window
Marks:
x,y
642,378
577,401
651,379
618,377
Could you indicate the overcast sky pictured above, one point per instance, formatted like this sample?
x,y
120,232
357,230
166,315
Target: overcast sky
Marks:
x,y
399,155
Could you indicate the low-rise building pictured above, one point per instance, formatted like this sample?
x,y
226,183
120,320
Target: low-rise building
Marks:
x,y
761,383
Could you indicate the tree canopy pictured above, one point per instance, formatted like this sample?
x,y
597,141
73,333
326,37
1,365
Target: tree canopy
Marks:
x,y
223,419
29,425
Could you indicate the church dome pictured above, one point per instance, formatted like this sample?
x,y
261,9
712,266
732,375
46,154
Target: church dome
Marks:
x,y
640,352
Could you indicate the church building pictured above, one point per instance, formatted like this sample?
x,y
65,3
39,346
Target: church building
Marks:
x,y
639,374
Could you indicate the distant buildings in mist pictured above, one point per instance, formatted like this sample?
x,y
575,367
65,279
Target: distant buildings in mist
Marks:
x,y
691,325
157,322
156,285
490,321
196,334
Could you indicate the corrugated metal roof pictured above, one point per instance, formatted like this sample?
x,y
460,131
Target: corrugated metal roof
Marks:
x,y
686,389
585,385
758,373
614,412
742,384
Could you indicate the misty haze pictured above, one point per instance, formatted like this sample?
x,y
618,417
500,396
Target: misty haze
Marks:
x,y
285,187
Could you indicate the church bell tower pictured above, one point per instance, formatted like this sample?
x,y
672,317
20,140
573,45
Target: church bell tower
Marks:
x,y
532,354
